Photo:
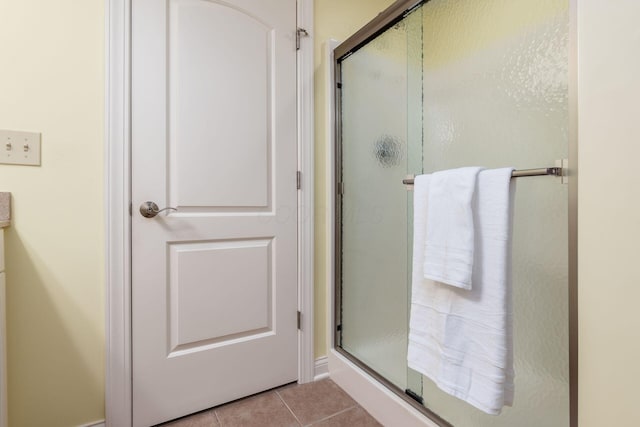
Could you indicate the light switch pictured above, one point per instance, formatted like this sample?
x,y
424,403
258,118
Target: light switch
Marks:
x,y
19,148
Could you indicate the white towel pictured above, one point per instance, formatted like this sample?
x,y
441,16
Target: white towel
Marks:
x,y
462,339
449,240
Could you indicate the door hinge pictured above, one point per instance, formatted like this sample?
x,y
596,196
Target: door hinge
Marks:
x,y
130,209
299,321
300,32
340,188
298,180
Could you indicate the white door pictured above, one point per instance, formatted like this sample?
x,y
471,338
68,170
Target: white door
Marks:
x,y
214,285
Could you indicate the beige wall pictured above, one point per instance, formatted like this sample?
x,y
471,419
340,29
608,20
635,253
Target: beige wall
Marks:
x,y
333,19
609,212
52,81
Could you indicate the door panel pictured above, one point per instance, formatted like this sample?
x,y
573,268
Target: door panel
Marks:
x,y
214,286
221,78
205,315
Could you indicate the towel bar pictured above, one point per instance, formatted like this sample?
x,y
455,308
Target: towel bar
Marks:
x,y
555,171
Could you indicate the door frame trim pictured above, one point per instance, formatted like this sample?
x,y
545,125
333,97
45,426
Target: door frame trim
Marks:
x,y
118,375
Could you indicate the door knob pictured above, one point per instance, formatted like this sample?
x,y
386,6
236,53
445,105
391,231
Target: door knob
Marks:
x,y
150,209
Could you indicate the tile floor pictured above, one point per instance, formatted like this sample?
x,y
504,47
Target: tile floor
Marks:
x,y
321,404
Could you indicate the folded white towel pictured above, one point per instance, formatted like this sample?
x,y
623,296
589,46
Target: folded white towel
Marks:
x,y
462,339
450,230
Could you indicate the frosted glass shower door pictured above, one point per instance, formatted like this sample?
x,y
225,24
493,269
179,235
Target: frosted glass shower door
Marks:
x,y
496,95
448,84
381,140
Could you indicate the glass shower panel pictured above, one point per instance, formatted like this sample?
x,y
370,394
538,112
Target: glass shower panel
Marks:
x,y
496,94
377,143
452,84
415,131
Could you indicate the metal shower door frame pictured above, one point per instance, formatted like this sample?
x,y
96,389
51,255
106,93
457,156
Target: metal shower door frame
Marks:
x,y
394,13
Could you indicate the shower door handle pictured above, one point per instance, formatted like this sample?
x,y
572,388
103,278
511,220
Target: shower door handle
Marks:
x,y
150,209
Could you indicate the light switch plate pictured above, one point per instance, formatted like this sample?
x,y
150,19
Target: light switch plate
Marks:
x,y
19,148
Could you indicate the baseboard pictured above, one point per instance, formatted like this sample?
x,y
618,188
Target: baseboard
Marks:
x,y
321,368
100,423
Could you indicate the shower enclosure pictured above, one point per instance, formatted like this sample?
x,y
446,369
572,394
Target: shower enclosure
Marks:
x,y
441,84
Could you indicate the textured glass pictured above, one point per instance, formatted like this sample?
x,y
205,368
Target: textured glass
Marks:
x,y
495,88
415,130
388,151
459,83
375,149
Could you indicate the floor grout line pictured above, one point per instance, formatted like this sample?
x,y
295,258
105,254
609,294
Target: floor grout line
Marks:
x,y
287,406
332,415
